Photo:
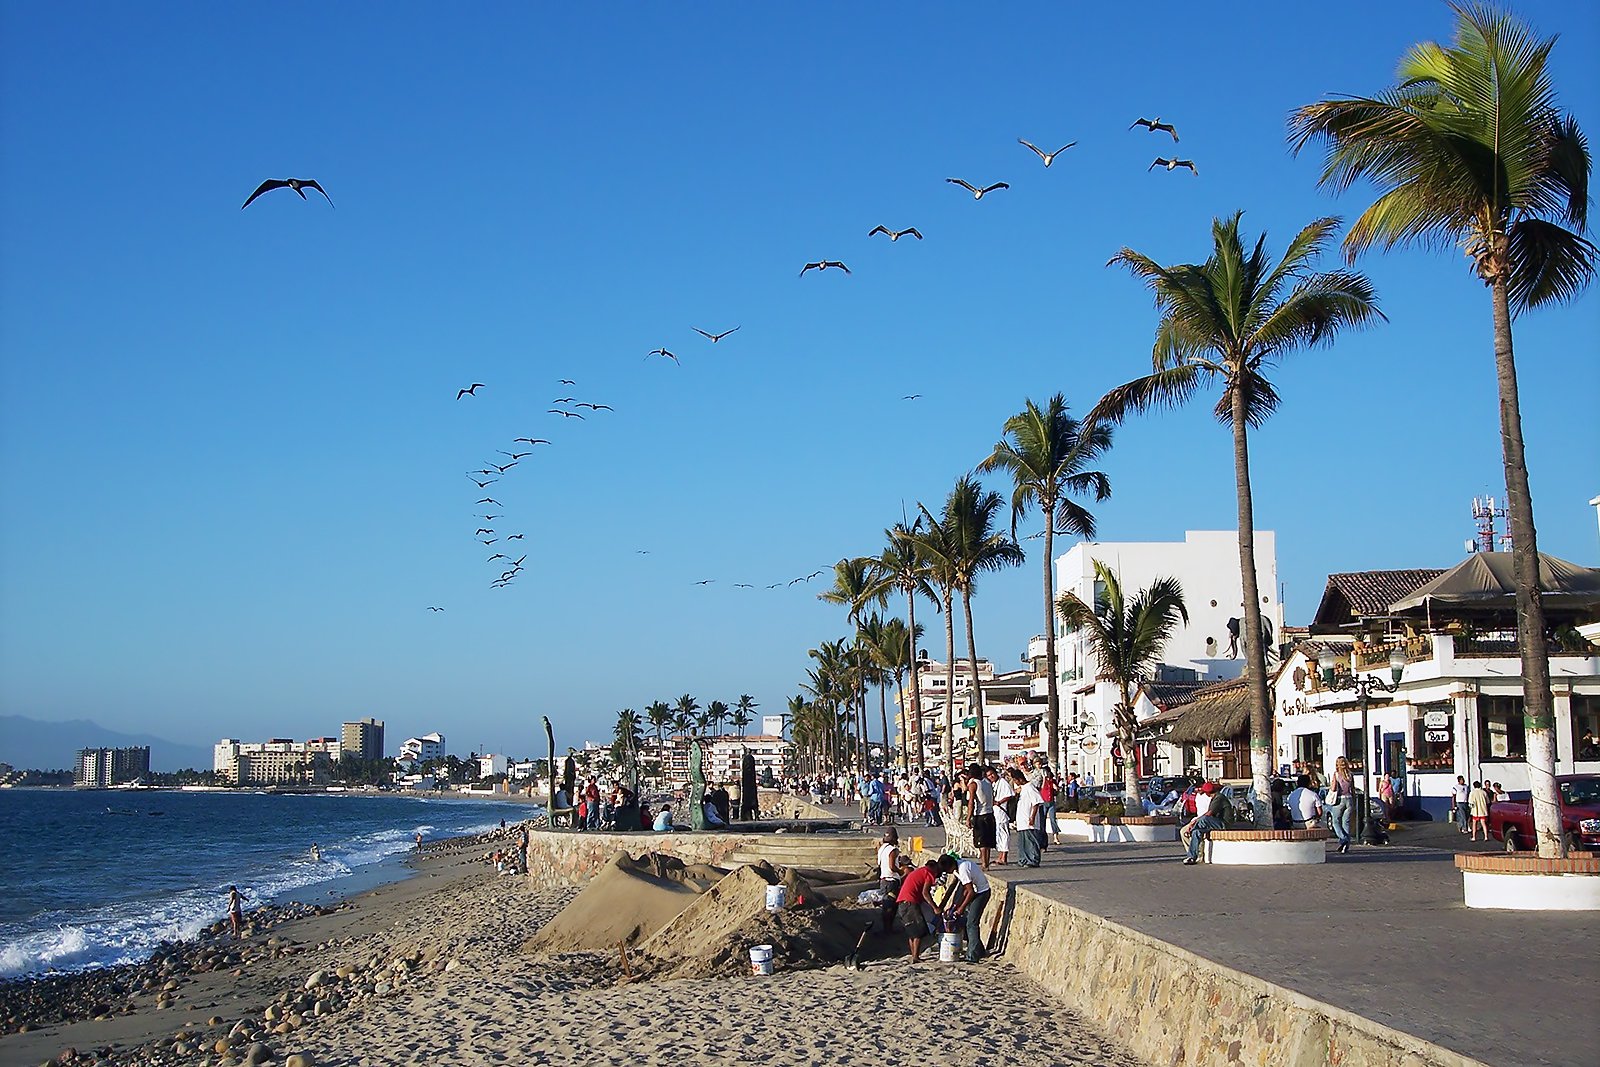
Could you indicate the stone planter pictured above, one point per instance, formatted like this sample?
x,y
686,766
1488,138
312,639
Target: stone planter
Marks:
x,y
1266,848
1080,826
1529,883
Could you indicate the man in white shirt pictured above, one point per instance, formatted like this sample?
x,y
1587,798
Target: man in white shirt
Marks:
x,y
980,814
1458,793
1305,806
971,898
1030,810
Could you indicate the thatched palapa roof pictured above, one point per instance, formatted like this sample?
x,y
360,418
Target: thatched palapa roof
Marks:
x,y
1218,711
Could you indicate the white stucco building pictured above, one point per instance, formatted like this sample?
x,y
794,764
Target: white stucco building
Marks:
x,y
422,749
1206,565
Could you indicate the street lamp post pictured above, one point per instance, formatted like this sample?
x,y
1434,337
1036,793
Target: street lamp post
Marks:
x,y
1338,679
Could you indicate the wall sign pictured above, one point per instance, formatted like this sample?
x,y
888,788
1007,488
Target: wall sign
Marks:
x,y
1436,720
1222,746
1438,736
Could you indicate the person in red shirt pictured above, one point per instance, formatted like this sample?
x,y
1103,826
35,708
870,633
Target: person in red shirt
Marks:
x,y
915,905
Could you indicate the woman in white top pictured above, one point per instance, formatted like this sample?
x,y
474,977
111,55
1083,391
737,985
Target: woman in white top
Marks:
x,y
891,867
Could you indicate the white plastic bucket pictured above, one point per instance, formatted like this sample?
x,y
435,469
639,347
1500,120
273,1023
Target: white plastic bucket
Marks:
x,y
761,959
949,947
777,897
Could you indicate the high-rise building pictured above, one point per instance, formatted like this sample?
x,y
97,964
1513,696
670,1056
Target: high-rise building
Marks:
x,y
362,739
280,761
101,768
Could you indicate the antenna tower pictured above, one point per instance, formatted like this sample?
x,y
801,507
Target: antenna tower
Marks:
x,y
1484,513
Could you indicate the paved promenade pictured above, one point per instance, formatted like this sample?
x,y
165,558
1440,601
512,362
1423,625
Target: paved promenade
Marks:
x,y
1381,932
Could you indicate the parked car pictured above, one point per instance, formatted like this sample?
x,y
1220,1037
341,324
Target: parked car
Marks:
x,y
1512,820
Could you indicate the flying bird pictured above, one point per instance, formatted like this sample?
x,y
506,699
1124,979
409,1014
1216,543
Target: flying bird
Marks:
x,y
497,555
299,185
518,562
491,500
663,352
596,407
895,235
435,609
824,264
743,585
481,485
507,467
1048,157
565,414
715,337
796,581
514,455
530,441
977,194
470,391
1172,164
516,537
812,575
566,381
912,396
491,540
708,581
1156,125
484,473
482,530
563,400
641,551
775,585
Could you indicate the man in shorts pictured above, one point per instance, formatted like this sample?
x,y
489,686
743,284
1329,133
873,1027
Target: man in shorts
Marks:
x,y
915,906
980,815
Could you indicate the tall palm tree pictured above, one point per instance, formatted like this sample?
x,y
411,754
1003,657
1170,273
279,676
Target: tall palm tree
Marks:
x,y
936,547
888,642
878,662
971,512
716,715
900,567
1471,150
1229,320
1045,451
744,711
659,715
1127,637
854,588
683,714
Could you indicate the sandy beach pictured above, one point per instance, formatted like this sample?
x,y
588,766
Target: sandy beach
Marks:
x,y
437,970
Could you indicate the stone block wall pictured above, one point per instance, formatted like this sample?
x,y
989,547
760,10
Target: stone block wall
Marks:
x,y
557,859
1170,1006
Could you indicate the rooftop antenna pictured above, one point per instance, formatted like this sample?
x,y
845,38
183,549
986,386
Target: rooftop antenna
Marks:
x,y
1484,513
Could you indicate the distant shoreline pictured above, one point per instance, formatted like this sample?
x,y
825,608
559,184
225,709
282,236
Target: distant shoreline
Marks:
x,y
518,798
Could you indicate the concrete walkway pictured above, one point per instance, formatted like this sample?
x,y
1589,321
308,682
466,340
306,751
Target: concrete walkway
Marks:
x,y
1381,932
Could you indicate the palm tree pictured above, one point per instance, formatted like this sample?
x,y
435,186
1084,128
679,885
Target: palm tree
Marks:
x,y
854,588
902,568
1229,320
936,548
659,715
744,711
970,511
683,715
1127,637
716,715
887,642
878,662
1045,452
1471,150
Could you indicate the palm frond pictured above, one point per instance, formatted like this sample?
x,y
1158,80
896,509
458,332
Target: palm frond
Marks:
x,y
1549,264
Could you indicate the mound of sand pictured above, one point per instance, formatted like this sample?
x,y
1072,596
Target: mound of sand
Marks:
x,y
626,900
713,935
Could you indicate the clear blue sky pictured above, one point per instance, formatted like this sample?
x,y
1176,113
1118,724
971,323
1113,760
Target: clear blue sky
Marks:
x,y
231,457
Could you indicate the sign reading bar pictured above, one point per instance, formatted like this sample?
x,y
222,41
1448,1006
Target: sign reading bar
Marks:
x,y
1436,720
1222,746
1438,736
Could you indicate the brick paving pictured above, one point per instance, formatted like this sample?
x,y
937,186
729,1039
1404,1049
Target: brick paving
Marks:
x,y
1381,932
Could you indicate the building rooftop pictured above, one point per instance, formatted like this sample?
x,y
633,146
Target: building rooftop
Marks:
x,y
1355,595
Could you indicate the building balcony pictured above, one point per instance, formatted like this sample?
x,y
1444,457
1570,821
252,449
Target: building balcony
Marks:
x,y
1416,650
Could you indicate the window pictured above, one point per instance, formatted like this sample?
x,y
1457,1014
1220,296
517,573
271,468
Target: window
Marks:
x,y
1586,726
1353,749
1308,750
1428,752
1501,733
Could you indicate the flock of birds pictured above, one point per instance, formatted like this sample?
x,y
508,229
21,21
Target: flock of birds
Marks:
x,y
566,407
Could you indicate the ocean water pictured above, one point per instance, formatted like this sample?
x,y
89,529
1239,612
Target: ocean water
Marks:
x,y
96,878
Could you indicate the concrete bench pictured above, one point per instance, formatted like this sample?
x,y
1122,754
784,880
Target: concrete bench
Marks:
x,y
1529,883
1082,826
1266,848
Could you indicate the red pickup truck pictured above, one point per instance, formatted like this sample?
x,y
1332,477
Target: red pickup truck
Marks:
x,y
1512,820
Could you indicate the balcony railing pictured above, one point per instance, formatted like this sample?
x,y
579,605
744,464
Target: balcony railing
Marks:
x,y
1485,645
1416,649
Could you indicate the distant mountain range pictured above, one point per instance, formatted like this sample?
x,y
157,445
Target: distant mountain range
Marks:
x,y
29,744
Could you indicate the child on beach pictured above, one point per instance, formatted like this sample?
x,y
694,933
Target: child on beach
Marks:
x,y
235,909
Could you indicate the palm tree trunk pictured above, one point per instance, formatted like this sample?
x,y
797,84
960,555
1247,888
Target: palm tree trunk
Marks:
x,y
977,690
916,686
1538,714
949,685
905,732
1052,713
883,713
1255,661
1126,722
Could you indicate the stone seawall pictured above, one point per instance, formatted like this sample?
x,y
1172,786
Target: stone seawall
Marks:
x,y
788,804
557,859
1170,1006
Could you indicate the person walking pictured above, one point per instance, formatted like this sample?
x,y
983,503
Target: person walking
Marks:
x,y
1047,791
1005,806
1030,820
972,897
1340,802
1478,806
